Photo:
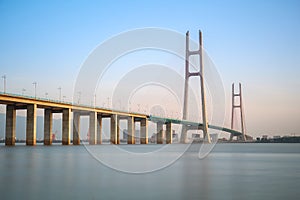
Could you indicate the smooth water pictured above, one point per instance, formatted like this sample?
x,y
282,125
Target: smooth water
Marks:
x,y
231,171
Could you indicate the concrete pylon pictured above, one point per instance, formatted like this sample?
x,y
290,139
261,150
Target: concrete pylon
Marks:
x,y
159,136
169,133
199,74
76,128
144,131
93,127
31,124
99,129
240,107
66,122
113,129
48,122
130,130
10,130
118,129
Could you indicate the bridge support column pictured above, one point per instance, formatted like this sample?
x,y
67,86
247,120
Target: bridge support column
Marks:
x,y
66,119
113,129
144,131
10,131
118,129
159,129
183,138
76,128
131,130
48,126
99,129
31,124
169,133
93,127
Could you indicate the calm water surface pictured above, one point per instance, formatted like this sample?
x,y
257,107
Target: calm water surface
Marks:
x,y
231,171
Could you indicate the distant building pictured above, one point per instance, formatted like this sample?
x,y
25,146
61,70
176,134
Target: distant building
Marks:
x,y
264,137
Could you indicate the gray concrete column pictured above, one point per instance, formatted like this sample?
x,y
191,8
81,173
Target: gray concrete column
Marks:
x,y
99,129
113,129
144,131
66,119
183,138
118,129
10,131
159,129
130,130
48,126
76,128
31,124
93,127
169,133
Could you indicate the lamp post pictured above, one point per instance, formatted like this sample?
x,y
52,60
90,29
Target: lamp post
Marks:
x,y
108,102
129,106
46,95
139,105
23,91
34,85
59,93
79,96
4,83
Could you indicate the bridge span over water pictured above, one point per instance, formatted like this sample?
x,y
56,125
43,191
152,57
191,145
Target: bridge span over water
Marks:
x,y
15,102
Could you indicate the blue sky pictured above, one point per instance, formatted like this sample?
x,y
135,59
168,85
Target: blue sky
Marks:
x,y
253,42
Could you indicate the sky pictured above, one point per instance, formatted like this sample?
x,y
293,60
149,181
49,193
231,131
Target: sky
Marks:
x,y
253,42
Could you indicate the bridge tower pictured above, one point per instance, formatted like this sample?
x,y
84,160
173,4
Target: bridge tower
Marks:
x,y
189,74
238,106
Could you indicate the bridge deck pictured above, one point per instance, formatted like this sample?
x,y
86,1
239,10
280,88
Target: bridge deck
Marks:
x,y
21,101
192,125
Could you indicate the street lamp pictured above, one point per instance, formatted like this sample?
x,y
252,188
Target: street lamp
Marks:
x,y
79,96
34,84
139,107
23,91
95,100
46,94
59,93
108,103
129,106
4,83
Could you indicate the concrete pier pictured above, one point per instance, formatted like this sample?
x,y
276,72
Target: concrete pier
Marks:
x,y
159,129
10,131
93,127
113,128
169,133
118,129
31,124
131,130
76,128
48,126
99,129
183,138
66,119
144,131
